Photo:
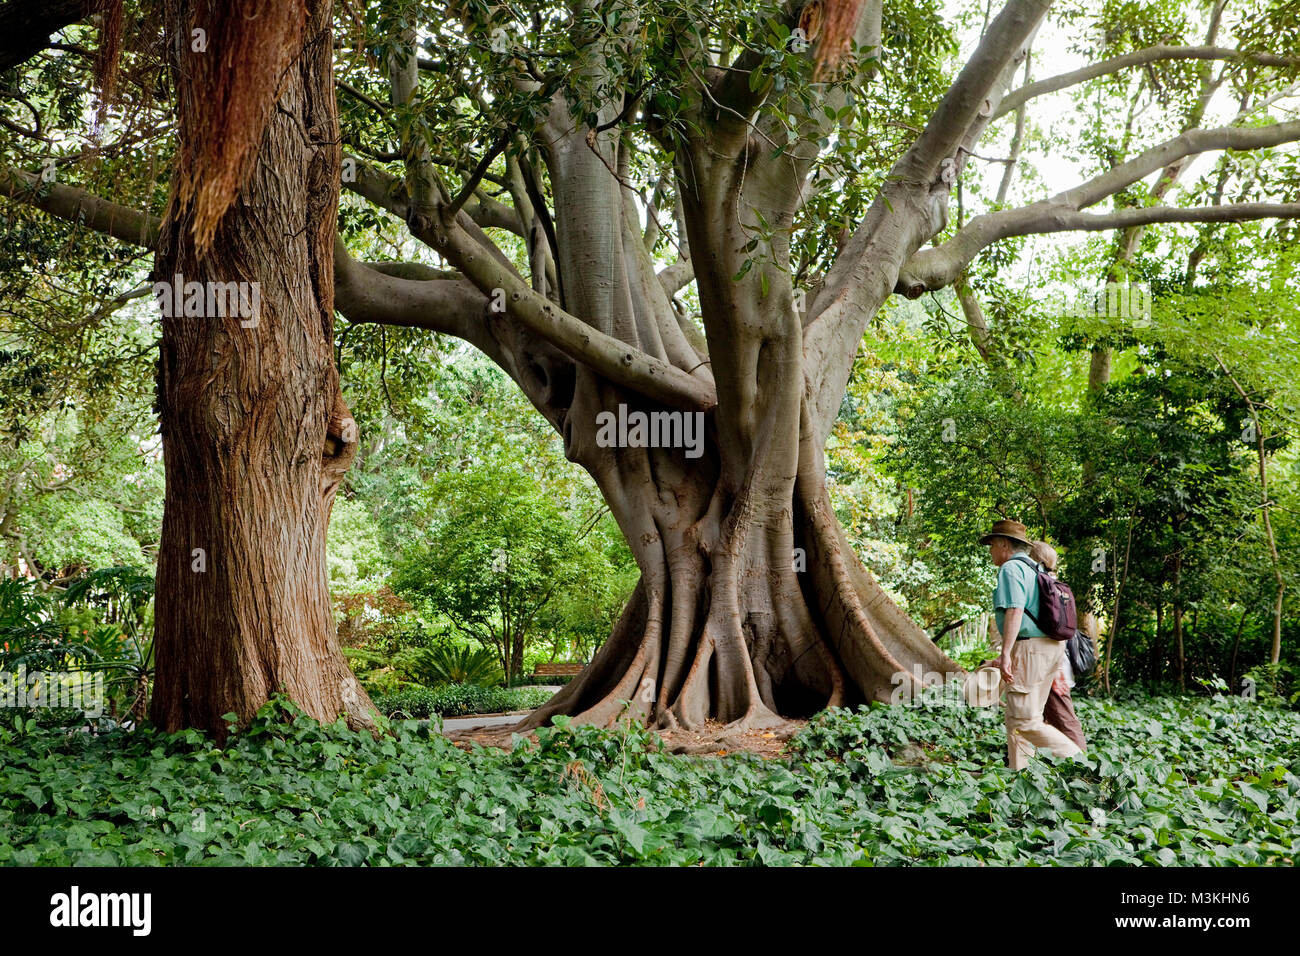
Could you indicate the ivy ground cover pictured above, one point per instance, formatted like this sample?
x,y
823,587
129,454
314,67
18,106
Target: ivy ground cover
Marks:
x,y
1166,781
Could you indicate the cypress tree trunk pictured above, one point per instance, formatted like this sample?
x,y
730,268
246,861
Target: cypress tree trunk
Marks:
x,y
256,435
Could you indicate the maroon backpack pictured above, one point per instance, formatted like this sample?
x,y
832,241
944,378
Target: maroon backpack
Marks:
x,y
1058,617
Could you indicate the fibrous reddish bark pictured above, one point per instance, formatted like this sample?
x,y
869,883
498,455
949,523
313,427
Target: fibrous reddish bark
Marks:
x,y
256,435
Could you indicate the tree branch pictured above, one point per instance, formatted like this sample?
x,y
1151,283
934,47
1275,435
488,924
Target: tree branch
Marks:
x,y
968,98
418,297
477,175
621,363
910,209
76,205
936,267
677,276
1027,92
389,193
27,26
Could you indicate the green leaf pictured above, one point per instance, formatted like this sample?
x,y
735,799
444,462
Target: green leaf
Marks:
x,y
630,830
351,854
1257,796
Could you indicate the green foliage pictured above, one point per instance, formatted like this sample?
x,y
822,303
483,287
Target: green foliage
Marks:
x,y
1146,488
1271,683
28,632
498,550
1166,782
80,470
973,453
455,700
458,664
102,622
971,658
375,671
354,547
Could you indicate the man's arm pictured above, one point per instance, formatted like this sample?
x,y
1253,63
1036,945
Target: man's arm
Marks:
x,y
1010,628
1011,595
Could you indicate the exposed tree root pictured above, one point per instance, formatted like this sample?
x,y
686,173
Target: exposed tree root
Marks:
x,y
727,628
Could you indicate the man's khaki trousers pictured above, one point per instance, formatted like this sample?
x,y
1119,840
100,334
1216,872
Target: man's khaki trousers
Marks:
x,y
1034,663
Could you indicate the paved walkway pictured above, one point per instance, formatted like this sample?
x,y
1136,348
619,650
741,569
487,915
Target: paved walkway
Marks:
x,y
495,720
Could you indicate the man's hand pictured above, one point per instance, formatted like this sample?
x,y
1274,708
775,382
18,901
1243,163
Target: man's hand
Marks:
x,y
1004,666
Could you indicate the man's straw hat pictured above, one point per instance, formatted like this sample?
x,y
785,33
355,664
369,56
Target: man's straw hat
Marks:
x,y
1006,528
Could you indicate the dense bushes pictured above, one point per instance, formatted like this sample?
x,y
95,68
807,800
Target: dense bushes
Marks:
x,y
1165,782
1148,490
454,700
100,625
550,680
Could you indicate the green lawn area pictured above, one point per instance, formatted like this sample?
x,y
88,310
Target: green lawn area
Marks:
x,y
1166,781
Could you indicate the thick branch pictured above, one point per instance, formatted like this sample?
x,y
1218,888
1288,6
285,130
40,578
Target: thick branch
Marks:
x,y
463,244
936,267
606,355
492,214
926,273
910,209
418,299
26,26
677,276
1137,58
968,98
77,205
1163,155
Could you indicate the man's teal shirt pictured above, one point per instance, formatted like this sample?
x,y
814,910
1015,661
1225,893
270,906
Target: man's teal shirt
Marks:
x,y
1017,587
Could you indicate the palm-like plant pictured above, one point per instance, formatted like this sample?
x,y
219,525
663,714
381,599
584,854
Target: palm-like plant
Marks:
x,y
455,664
124,641
29,634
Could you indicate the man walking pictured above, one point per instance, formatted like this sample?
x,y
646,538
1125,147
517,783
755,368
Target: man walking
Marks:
x,y
1029,660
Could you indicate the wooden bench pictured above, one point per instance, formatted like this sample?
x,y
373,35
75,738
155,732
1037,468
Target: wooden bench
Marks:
x,y
558,670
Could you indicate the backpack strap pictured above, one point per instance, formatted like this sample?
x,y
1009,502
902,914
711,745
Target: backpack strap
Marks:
x,y
1033,564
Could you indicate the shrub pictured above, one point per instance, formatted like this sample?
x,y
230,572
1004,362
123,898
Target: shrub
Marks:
x,y
455,700
456,664
550,680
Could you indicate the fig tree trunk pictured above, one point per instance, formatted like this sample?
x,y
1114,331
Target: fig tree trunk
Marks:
x,y
256,435
752,605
